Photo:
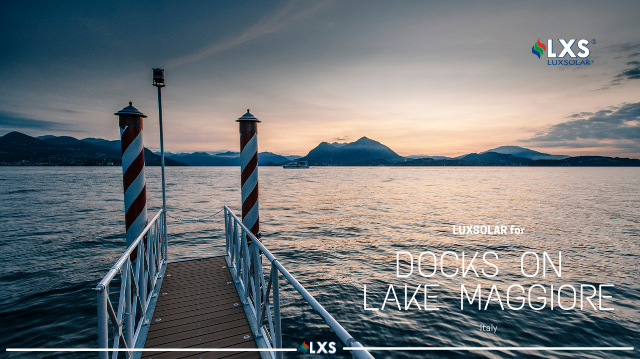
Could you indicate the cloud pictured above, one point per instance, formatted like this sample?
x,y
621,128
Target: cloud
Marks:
x,y
66,110
629,74
632,73
288,14
581,115
612,127
14,121
624,47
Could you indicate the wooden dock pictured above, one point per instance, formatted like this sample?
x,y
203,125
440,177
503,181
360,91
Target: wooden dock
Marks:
x,y
198,306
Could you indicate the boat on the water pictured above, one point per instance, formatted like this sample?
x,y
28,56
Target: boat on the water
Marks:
x,y
296,164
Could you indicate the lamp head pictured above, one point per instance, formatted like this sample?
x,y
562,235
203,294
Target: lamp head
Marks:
x,y
158,77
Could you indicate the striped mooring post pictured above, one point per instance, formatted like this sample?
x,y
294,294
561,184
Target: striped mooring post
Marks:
x,y
135,187
249,173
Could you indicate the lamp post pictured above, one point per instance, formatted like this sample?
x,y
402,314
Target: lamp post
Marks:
x,y
158,81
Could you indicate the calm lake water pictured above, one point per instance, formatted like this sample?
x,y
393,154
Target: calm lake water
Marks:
x,y
337,229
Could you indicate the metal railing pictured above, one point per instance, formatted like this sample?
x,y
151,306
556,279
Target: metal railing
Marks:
x,y
245,264
138,281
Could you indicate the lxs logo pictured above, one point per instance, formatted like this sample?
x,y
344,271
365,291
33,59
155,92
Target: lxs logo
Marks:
x,y
320,348
582,52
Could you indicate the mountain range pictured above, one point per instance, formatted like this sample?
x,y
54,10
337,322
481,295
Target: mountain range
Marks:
x,y
228,158
501,159
19,149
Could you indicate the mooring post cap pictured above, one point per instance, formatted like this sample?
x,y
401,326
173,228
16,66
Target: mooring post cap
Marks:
x,y
248,117
130,110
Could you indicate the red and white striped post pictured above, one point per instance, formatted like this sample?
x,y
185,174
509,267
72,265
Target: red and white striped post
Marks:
x,y
249,173
135,187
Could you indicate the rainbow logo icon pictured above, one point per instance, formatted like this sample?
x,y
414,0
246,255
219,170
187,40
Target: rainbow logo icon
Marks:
x,y
304,347
538,48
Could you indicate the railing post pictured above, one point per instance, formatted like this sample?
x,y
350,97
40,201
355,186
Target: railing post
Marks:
x,y
134,279
103,322
277,340
230,243
257,296
152,262
165,245
226,233
158,245
142,281
234,246
237,242
128,317
246,263
147,277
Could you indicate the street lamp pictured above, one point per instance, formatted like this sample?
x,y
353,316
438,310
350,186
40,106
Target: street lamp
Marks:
x,y
158,81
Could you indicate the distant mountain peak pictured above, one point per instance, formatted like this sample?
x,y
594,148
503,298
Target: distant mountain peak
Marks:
x,y
522,152
16,134
364,150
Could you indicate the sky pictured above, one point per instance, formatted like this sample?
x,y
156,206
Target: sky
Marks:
x,y
430,78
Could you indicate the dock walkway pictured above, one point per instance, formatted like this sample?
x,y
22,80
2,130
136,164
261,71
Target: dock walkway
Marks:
x,y
198,306
224,302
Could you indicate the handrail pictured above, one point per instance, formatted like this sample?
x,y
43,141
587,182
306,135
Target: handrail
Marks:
x,y
118,266
137,289
244,261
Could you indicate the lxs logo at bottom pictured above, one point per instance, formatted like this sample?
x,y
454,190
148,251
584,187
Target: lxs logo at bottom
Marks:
x,y
319,349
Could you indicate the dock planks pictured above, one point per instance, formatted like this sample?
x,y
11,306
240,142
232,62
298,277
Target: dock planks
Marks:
x,y
198,306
